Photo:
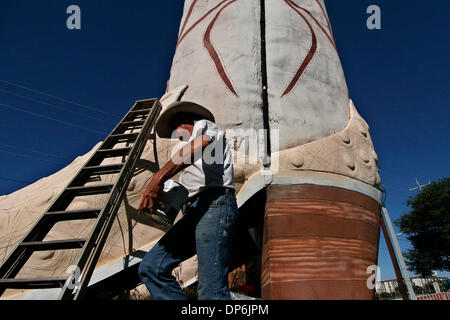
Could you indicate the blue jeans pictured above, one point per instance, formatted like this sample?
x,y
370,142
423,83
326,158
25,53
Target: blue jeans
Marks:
x,y
206,229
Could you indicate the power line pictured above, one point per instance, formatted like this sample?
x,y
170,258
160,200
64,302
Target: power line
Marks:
x,y
54,106
58,98
29,150
396,183
49,118
30,157
394,189
395,172
15,180
397,196
5,193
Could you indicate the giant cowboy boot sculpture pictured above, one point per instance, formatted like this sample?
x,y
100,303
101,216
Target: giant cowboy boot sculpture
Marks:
x,y
273,67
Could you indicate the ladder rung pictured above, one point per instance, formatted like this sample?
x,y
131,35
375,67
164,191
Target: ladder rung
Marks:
x,y
144,104
125,135
128,125
105,169
90,190
140,111
114,139
54,244
115,152
91,173
38,283
137,123
73,214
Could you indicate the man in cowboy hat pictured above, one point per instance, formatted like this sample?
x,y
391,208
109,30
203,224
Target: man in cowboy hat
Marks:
x,y
210,216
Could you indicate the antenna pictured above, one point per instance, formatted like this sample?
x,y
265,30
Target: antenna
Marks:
x,y
419,186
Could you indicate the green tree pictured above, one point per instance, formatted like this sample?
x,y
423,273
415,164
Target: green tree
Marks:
x,y
428,228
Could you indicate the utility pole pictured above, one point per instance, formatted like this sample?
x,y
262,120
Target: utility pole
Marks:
x,y
419,186
398,273
401,261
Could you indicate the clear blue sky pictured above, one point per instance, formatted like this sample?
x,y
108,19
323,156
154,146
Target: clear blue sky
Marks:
x,y
397,77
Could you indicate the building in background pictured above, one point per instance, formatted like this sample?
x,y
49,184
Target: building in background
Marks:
x,y
433,288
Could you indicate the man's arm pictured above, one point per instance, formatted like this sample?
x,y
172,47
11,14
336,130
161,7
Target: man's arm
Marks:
x,y
182,159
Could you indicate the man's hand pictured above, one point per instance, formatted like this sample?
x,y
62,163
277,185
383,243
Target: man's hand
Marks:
x,y
149,198
182,159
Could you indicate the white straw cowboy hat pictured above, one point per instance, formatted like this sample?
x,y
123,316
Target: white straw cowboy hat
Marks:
x,y
162,125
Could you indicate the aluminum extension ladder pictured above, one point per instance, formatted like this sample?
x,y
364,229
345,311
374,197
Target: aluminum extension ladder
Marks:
x,y
141,117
